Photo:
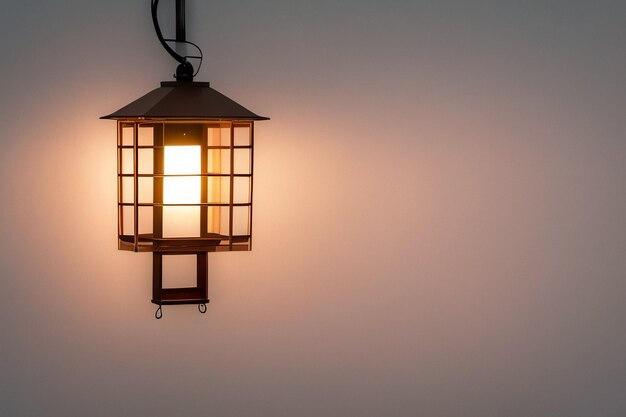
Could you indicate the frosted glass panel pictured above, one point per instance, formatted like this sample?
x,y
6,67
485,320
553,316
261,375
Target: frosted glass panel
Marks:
x,y
128,221
241,221
242,161
127,136
145,220
218,136
127,161
145,136
218,161
146,189
242,136
181,221
218,190
145,160
128,190
218,220
242,190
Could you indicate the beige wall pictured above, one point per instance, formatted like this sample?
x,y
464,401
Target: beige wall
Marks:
x,y
439,213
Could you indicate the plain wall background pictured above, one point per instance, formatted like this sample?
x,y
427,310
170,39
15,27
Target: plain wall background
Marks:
x,y
438,223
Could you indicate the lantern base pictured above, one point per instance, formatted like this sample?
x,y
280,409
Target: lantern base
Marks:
x,y
187,295
174,296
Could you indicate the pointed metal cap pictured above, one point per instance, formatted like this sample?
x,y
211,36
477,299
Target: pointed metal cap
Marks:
x,y
184,100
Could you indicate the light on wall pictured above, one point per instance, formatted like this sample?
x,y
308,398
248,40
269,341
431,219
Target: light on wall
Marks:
x,y
185,157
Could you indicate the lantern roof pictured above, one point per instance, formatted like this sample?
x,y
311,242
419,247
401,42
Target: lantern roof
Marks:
x,y
184,100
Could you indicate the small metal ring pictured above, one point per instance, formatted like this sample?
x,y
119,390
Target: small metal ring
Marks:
x,y
158,314
202,308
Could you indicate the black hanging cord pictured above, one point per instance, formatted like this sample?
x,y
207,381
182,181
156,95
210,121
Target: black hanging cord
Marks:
x,y
184,72
181,33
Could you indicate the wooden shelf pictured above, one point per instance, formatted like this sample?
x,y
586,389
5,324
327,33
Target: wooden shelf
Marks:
x,y
182,296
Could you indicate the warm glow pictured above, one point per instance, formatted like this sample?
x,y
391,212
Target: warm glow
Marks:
x,y
181,221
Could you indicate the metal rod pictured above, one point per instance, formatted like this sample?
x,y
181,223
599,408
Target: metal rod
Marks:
x,y
157,28
120,189
136,184
180,21
251,141
232,186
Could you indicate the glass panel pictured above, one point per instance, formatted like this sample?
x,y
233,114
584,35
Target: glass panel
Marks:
x,y
218,161
213,136
146,189
218,135
241,221
218,189
242,136
218,220
145,136
128,190
128,220
127,136
225,134
146,161
181,221
242,161
242,190
127,161
145,220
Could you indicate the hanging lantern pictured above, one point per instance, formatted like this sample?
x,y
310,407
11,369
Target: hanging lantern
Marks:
x,y
185,165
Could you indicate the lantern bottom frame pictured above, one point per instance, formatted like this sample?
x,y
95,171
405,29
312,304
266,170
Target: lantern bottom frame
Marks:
x,y
211,243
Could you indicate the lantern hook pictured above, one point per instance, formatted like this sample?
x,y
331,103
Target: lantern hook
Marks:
x,y
158,314
202,308
185,71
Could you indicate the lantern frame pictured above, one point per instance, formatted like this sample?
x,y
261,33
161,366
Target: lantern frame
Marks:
x,y
208,239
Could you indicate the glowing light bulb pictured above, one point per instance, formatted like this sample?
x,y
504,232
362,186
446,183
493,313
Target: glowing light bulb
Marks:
x,y
181,221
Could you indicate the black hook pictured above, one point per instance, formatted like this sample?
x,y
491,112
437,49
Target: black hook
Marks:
x,y
185,71
158,313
